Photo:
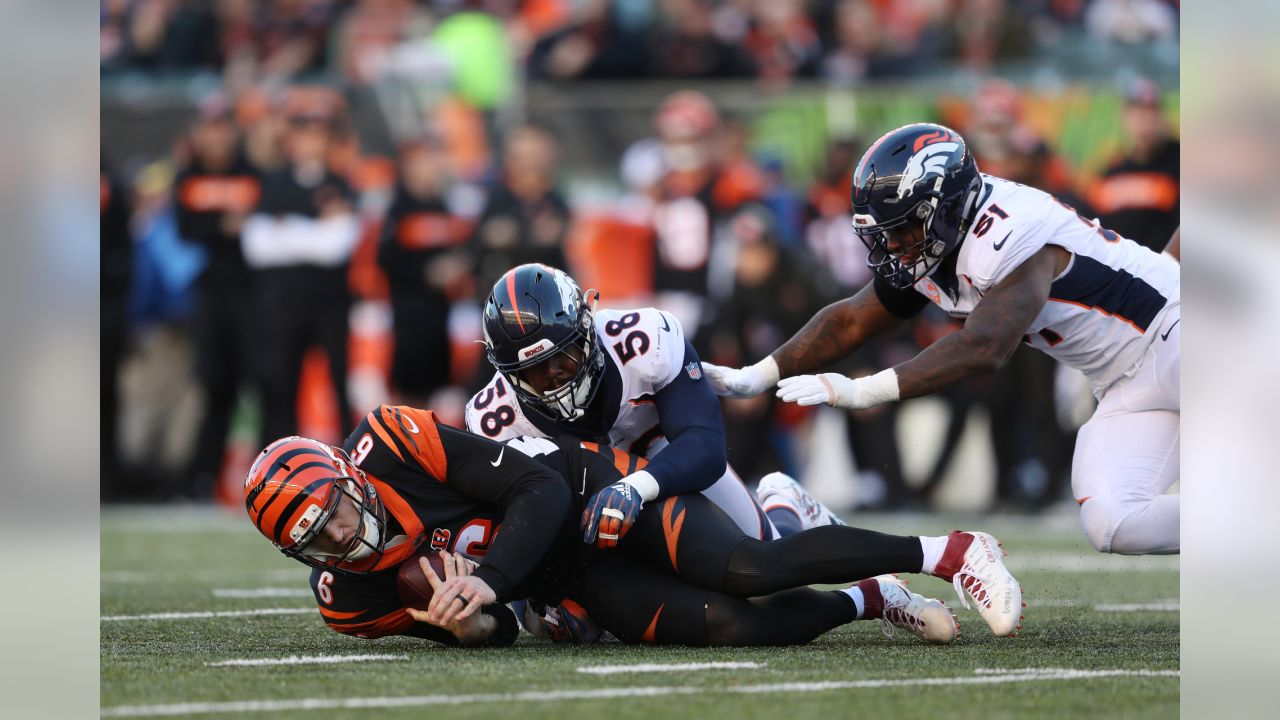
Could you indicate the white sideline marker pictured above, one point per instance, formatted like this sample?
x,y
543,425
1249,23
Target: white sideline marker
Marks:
x,y
673,667
304,660
1157,606
208,614
991,676
265,592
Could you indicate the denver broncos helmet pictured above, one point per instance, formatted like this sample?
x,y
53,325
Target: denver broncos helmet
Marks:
x,y
918,184
534,312
294,488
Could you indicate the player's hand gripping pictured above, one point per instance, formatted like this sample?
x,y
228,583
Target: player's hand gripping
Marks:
x,y
610,514
458,596
742,382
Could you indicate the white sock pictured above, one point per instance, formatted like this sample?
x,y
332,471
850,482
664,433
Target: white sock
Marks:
x,y
858,601
933,547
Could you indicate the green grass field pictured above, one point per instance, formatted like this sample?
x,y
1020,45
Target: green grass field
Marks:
x,y
1100,640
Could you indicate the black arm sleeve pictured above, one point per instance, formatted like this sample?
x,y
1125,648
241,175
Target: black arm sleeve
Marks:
x,y
689,415
536,499
905,304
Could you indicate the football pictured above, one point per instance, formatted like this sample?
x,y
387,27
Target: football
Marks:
x,y
412,584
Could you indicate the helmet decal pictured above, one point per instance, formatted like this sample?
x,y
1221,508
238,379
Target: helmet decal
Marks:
x,y
535,349
930,161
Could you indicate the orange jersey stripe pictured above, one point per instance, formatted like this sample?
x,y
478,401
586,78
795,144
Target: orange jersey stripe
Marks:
x,y
651,631
416,430
671,530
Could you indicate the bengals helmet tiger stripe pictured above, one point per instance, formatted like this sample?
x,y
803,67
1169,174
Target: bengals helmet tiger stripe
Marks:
x,y
294,488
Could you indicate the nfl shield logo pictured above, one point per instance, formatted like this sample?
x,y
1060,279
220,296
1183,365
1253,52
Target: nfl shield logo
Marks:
x,y
694,370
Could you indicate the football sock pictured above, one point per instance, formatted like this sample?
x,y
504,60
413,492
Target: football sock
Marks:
x,y
828,554
932,547
859,600
786,520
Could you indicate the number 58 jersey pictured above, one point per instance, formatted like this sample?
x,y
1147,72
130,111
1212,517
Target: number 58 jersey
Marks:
x,y
643,351
1103,311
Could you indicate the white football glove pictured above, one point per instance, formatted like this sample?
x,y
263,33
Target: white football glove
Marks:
x,y
840,391
742,382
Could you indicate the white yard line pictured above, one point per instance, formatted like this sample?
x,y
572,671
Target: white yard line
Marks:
x,y
166,577
304,660
1088,561
673,667
1157,606
201,614
990,677
266,592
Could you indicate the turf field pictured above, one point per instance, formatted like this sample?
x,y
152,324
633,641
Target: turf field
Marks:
x,y
190,595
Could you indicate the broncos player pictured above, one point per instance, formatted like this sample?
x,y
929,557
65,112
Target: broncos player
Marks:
x,y
628,379
1018,267
685,575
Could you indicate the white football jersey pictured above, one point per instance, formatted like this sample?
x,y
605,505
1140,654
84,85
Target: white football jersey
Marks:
x,y
1106,307
646,346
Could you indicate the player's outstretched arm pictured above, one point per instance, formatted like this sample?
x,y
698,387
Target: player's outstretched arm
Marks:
x,y
834,333
990,334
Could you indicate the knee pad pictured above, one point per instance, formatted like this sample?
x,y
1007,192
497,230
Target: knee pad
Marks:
x,y
1099,518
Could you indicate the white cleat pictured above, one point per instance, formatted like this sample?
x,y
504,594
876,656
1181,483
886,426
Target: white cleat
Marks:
x,y
780,490
973,563
927,618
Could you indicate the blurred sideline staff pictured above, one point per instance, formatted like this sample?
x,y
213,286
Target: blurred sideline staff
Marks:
x,y
300,240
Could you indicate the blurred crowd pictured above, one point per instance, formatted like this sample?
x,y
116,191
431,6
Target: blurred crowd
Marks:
x,y
265,274
843,41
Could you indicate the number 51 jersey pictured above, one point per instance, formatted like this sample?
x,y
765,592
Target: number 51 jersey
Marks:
x,y
1103,310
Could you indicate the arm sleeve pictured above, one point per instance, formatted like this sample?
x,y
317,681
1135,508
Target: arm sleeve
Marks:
x,y
535,497
294,239
905,303
689,415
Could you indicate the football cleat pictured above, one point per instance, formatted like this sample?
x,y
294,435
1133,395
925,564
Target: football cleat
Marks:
x,y
973,563
780,490
925,617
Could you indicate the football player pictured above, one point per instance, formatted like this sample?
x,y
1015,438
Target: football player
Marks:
x,y
1018,267
404,484
628,379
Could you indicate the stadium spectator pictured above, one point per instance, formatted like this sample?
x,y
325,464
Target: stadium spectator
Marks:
x,y
708,177
601,42
526,218
773,295
420,251
1132,21
782,42
1137,195
117,265
273,39
692,44
213,195
300,239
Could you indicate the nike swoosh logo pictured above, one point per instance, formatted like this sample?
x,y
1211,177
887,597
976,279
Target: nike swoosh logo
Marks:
x,y
1165,336
1000,244
665,326
498,462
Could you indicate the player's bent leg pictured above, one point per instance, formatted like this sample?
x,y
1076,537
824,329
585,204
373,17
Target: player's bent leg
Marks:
x,y
829,554
1124,462
695,539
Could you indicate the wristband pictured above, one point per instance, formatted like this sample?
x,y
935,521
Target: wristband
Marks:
x,y
644,484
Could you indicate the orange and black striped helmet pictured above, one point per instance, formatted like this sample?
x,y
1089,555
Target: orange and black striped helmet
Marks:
x,y
294,488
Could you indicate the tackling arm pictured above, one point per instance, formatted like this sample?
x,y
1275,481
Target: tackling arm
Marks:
x,y
835,332
990,334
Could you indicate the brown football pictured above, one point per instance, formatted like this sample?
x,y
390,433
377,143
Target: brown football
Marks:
x,y
412,585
